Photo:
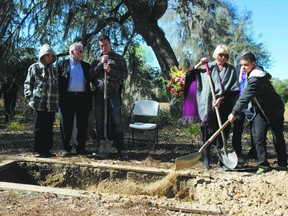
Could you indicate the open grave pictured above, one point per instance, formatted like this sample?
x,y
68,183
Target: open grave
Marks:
x,y
101,178
87,179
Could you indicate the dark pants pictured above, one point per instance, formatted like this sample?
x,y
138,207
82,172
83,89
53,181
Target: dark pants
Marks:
x,y
237,136
279,141
76,105
115,127
259,131
207,132
9,105
43,132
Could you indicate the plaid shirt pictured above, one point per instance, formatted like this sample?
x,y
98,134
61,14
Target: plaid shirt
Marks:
x,y
41,87
115,77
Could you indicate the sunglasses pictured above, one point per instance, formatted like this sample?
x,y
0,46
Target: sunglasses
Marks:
x,y
223,55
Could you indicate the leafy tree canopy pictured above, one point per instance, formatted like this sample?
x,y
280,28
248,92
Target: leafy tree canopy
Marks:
x,y
190,29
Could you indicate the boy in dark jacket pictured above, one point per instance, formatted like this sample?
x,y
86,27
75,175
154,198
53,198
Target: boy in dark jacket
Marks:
x,y
269,110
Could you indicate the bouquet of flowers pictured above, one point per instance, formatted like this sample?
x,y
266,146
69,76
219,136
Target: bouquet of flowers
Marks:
x,y
176,83
176,86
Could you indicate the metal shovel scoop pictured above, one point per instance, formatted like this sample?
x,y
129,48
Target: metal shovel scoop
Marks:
x,y
188,161
227,156
105,145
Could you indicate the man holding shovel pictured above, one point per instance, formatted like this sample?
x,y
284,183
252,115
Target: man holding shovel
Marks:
x,y
109,70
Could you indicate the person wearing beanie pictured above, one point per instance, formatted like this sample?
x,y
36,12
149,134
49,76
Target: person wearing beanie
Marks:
x,y
41,90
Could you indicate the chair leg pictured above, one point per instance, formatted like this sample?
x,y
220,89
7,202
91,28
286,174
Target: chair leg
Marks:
x,y
156,136
132,130
155,139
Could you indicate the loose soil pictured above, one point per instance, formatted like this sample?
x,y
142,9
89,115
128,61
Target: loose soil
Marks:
x,y
211,192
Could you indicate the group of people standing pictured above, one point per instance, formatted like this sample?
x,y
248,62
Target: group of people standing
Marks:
x,y
66,87
237,94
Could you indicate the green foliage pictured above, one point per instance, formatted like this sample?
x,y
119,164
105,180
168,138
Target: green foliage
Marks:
x,y
17,65
281,88
15,126
165,118
143,81
200,26
191,129
57,120
23,111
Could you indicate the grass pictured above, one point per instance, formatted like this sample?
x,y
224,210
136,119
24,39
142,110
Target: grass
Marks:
x,y
15,126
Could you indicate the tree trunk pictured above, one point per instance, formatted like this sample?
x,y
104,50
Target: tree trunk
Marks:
x,y
145,15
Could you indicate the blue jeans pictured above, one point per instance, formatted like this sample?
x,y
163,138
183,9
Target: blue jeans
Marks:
x,y
115,130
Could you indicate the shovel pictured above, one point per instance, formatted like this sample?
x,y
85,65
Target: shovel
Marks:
x,y
105,145
188,161
227,156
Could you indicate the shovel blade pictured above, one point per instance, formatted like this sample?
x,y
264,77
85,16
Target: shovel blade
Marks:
x,y
187,161
229,158
104,148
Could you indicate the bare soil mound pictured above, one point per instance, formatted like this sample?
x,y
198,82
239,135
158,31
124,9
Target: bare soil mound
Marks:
x,y
218,192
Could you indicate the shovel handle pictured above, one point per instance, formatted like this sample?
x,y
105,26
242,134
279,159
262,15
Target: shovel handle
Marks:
x,y
105,105
207,69
211,139
214,99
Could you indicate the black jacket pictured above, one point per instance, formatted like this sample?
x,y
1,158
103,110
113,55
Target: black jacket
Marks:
x,y
264,98
63,68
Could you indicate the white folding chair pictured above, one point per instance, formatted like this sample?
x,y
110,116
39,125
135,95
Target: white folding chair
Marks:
x,y
144,117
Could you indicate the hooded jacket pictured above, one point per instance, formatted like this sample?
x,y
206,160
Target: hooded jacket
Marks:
x,y
261,92
41,84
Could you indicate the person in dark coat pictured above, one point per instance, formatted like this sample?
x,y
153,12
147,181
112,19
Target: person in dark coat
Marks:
x,y
245,115
75,98
269,111
9,89
197,104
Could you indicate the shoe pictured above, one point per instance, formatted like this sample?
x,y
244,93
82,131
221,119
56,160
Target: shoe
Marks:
x,y
282,168
65,153
82,152
205,157
50,154
36,154
206,164
123,154
262,170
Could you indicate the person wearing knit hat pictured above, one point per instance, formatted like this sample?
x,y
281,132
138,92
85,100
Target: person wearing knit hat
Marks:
x,y
41,90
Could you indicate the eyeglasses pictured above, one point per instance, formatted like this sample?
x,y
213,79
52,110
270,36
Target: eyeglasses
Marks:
x,y
223,55
80,51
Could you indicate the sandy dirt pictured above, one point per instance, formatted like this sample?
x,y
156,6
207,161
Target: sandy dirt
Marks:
x,y
212,192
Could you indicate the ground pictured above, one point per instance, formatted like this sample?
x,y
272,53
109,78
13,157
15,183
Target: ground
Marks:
x,y
218,192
